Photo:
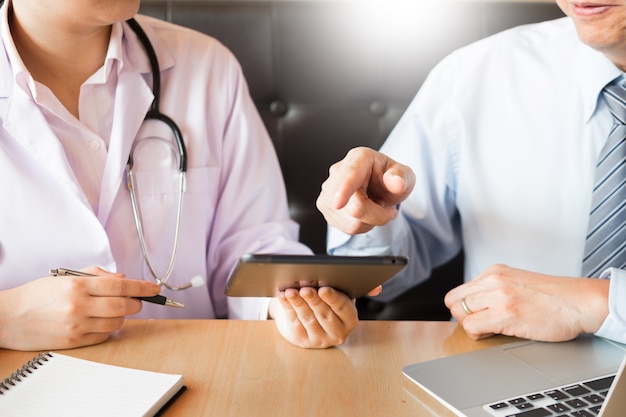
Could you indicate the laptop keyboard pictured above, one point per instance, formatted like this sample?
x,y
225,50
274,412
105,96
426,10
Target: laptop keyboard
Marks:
x,y
578,400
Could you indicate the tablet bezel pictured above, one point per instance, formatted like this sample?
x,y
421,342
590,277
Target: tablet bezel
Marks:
x,y
266,275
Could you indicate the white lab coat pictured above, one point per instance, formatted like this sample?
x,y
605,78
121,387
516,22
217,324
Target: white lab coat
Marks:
x,y
235,200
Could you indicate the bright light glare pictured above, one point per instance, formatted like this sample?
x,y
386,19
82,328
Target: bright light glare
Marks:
x,y
393,19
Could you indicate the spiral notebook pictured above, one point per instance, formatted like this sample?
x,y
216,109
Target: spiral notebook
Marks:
x,y
53,385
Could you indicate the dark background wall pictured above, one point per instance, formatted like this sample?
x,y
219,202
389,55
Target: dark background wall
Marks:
x,y
329,75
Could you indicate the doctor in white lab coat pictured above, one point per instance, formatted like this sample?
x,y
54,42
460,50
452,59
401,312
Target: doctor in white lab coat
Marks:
x,y
75,85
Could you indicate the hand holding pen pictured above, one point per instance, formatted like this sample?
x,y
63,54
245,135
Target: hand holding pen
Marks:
x,y
51,313
156,299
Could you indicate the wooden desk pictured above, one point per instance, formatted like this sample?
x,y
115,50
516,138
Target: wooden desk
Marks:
x,y
245,368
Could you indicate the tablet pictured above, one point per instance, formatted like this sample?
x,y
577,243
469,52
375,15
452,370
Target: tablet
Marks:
x,y
266,275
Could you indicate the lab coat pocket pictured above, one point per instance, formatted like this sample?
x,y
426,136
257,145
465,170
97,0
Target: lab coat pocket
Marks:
x,y
158,193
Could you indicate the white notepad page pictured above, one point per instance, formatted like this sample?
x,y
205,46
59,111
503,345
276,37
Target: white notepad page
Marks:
x,y
66,386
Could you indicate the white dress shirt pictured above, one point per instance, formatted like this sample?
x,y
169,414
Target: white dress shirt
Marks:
x,y
63,181
503,137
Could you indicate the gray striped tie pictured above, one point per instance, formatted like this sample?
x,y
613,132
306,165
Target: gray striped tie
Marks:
x,y
606,239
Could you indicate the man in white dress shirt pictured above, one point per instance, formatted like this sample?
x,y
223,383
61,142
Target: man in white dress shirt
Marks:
x,y
496,155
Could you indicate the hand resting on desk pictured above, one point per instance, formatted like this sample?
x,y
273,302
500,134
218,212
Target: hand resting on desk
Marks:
x,y
64,312
513,302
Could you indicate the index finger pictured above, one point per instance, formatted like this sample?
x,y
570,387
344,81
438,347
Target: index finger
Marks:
x,y
96,270
120,287
352,173
384,181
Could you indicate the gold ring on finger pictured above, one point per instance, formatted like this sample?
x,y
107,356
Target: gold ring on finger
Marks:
x,y
465,307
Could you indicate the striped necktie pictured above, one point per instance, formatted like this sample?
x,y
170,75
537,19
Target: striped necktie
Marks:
x,y
606,238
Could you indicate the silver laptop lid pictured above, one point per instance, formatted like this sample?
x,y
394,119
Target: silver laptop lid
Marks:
x,y
466,382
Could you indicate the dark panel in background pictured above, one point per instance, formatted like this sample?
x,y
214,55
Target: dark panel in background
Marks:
x,y
327,76
330,75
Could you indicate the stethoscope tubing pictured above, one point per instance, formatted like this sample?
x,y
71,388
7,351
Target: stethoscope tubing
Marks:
x,y
155,114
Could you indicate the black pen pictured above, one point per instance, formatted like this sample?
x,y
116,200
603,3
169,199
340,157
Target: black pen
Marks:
x,y
156,299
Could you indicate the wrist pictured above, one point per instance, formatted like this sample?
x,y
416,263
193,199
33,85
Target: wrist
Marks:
x,y
6,319
594,304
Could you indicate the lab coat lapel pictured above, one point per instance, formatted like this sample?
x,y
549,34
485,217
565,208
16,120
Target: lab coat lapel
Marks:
x,y
132,100
38,138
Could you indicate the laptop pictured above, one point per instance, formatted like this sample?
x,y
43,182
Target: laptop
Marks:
x,y
582,377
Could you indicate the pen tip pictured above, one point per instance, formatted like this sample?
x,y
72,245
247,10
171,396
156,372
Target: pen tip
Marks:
x,y
176,304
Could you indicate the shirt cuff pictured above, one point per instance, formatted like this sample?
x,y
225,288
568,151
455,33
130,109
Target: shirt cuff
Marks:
x,y
378,241
614,326
249,308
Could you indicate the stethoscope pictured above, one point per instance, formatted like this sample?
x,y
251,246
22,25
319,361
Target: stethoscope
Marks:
x,y
154,114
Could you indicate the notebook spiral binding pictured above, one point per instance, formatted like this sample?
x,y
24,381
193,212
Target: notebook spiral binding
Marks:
x,y
23,372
